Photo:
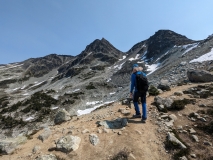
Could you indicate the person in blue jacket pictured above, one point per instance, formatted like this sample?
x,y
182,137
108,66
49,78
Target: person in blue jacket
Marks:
x,y
138,70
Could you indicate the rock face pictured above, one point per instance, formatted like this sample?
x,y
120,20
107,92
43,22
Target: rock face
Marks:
x,y
164,39
199,76
68,143
46,157
62,116
9,145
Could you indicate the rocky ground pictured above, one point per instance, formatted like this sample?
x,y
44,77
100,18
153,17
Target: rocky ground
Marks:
x,y
110,132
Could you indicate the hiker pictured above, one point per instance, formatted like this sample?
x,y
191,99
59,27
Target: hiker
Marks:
x,y
138,70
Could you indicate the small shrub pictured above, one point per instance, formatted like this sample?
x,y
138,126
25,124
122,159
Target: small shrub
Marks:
x,y
180,104
90,86
68,102
208,128
122,155
153,91
210,112
201,112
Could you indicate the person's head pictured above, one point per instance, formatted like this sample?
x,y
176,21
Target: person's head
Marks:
x,y
140,68
135,68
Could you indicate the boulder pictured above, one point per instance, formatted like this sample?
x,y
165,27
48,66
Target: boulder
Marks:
x,y
167,102
8,146
62,116
36,149
46,157
68,143
178,93
199,76
45,134
164,85
94,140
116,124
171,137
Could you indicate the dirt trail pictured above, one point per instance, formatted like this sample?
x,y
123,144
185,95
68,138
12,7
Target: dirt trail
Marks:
x,y
142,140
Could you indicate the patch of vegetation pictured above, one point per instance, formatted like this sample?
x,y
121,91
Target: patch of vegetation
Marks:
x,y
99,68
58,77
75,94
68,102
201,112
15,106
208,128
50,91
203,91
209,112
59,158
153,91
180,104
4,83
122,155
4,101
9,122
90,86
88,75
38,101
74,71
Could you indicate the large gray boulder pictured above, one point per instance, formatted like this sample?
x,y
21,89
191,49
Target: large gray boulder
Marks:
x,y
94,140
68,143
164,85
199,76
46,157
9,145
171,137
62,116
166,102
116,124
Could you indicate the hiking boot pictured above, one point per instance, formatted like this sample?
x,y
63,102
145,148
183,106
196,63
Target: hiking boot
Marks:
x,y
143,121
136,116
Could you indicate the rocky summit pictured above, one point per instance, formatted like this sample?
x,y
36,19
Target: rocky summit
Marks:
x,y
78,107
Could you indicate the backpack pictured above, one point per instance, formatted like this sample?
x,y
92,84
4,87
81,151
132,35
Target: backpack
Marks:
x,y
142,84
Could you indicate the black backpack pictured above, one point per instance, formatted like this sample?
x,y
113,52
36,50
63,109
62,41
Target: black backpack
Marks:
x,y
142,84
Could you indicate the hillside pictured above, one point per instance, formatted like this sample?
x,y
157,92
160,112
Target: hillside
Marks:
x,y
140,141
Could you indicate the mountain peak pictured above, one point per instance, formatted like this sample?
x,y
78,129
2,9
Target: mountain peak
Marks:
x,y
162,40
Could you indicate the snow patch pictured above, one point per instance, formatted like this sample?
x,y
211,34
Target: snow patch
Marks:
x,y
76,90
29,118
109,80
112,93
53,108
89,110
119,66
56,97
16,89
93,103
205,57
122,58
189,49
152,68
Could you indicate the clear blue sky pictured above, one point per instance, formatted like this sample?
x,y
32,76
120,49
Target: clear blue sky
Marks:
x,y
35,28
